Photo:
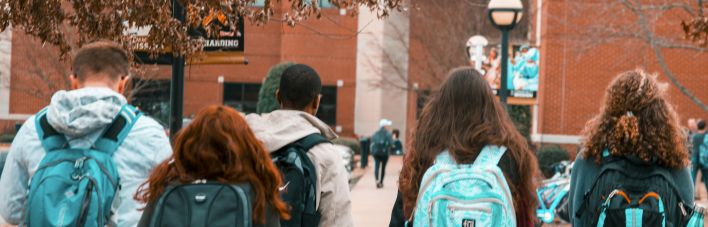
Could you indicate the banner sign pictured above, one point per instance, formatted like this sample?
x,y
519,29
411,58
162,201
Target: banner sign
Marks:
x,y
226,48
522,80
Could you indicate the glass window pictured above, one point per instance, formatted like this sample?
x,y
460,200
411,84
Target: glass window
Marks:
x,y
326,4
242,96
259,3
328,105
420,103
152,97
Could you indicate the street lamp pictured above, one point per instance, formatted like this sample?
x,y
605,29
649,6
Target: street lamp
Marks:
x,y
505,15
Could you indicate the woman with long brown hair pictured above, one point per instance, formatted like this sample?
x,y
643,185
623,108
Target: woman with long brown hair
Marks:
x,y
219,146
463,117
638,130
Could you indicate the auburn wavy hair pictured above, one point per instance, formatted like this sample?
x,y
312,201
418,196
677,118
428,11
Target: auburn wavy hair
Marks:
x,y
463,116
219,145
636,119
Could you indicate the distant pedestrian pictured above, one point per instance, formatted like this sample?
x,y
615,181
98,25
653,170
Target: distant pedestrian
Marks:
x,y
397,145
464,135
699,155
381,144
216,157
294,131
88,139
633,166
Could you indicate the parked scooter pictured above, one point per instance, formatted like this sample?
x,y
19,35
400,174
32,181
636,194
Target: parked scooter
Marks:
x,y
553,195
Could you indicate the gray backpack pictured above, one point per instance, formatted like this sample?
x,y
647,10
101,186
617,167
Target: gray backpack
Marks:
x,y
204,203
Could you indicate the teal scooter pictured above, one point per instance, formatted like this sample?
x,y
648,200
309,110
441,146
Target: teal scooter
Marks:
x,y
553,195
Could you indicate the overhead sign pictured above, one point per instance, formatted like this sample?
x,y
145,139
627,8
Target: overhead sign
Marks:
x,y
522,80
226,48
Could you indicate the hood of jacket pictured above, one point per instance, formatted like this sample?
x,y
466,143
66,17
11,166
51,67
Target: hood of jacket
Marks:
x,y
82,112
282,127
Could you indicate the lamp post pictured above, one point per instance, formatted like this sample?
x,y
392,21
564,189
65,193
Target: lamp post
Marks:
x,y
505,15
177,83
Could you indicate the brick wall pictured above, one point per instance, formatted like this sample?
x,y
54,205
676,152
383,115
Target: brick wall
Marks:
x,y
327,44
576,66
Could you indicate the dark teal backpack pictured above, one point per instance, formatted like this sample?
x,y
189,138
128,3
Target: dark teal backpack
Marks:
x,y
203,203
73,186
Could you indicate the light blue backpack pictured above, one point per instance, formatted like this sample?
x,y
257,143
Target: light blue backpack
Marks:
x,y
465,195
72,186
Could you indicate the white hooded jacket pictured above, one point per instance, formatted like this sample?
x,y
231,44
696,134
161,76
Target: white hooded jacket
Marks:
x,y
81,115
282,127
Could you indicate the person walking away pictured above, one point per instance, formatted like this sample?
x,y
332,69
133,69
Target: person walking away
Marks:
x,y
381,144
219,163
397,145
633,165
295,131
689,131
700,153
86,153
466,146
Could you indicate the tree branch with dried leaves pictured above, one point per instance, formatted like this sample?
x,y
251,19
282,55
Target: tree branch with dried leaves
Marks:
x,y
109,19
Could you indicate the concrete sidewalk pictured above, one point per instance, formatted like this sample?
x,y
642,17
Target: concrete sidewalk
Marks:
x,y
371,207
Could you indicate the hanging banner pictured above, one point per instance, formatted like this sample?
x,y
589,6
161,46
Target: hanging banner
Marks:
x,y
522,71
226,48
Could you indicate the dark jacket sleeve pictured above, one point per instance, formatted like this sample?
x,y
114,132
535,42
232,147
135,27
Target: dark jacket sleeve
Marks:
x,y
397,218
523,213
147,215
683,181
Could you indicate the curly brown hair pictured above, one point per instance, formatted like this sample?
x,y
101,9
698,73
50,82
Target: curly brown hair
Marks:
x,y
636,120
463,116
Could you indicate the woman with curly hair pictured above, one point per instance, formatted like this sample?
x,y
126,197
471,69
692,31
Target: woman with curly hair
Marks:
x,y
463,117
633,145
219,146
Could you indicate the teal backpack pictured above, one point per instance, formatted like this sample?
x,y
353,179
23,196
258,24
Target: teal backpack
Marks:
x,y
465,195
72,186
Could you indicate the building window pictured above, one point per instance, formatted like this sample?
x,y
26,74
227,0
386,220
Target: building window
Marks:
x,y
328,105
152,97
326,4
242,96
420,103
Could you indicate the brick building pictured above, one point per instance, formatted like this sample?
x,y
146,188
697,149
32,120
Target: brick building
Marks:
x,y
584,44
328,45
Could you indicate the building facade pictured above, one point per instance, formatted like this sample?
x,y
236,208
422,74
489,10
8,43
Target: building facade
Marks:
x,y
585,44
327,44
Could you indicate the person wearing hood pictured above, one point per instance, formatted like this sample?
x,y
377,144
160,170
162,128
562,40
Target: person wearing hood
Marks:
x,y
299,98
100,73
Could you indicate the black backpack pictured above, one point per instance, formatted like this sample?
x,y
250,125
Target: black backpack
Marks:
x,y
380,145
300,180
630,192
204,203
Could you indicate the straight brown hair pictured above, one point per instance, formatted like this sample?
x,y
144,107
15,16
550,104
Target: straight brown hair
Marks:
x,y
463,116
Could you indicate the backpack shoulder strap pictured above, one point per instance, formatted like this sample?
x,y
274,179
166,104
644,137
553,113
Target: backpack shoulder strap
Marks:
x,y
118,130
445,158
310,141
489,156
49,137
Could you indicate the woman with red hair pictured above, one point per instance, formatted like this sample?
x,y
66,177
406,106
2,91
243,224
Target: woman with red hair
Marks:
x,y
219,146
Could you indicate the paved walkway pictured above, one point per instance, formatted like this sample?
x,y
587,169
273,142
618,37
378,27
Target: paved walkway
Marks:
x,y
371,207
